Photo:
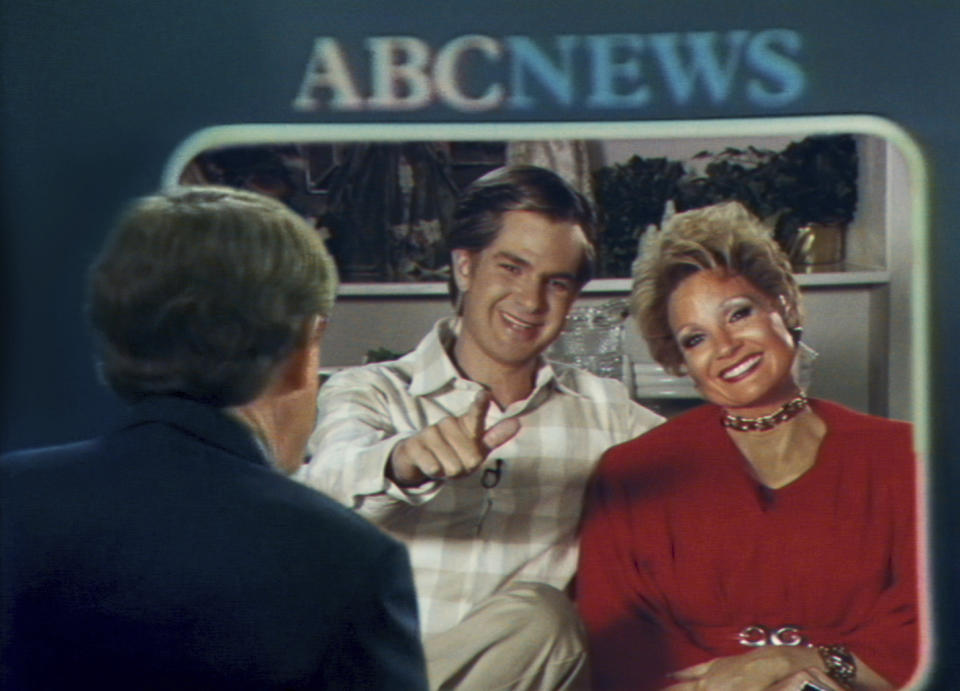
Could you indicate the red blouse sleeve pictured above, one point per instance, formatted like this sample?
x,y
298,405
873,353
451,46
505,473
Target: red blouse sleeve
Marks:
x,y
889,638
630,635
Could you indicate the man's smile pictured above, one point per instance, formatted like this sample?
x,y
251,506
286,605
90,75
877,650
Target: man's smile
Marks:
x,y
517,323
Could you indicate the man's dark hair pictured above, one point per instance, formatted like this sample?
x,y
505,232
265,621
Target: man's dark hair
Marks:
x,y
203,291
479,212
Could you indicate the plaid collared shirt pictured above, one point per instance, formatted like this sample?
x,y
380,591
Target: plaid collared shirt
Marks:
x,y
516,517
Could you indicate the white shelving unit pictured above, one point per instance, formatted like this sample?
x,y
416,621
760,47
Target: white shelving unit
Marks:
x,y
858,319
865,320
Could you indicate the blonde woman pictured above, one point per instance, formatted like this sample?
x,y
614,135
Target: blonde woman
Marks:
x,y
765,540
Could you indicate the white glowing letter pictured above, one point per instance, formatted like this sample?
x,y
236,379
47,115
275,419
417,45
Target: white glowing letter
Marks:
x,y
327,69
397,61
445,73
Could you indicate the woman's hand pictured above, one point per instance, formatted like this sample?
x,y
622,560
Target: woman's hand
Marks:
x,y
758,670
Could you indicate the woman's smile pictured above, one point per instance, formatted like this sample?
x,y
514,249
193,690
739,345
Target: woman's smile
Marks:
x,y
735,344
742,368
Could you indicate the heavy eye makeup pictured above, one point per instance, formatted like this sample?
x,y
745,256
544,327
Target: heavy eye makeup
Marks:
x,y
690,340
740,308
735,310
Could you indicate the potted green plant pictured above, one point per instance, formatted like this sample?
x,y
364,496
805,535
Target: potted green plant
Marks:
x,y
810,187
807,193
630,197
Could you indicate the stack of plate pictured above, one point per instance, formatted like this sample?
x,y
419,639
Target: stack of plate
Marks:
x,y
650,380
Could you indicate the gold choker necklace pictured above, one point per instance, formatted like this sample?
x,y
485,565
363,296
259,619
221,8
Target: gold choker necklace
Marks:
x,y
787,411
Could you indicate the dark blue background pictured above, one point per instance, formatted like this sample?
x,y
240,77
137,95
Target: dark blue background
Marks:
x,y
95,95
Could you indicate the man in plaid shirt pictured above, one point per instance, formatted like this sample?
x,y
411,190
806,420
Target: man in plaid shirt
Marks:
x,y
475,451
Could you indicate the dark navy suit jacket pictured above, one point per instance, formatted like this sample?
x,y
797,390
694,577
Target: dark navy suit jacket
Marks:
x,y
169,554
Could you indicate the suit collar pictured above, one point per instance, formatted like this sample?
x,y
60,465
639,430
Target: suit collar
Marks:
x,y
212,425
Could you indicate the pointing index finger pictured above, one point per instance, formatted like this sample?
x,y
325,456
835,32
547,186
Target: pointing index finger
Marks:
x,y
473,419
499,434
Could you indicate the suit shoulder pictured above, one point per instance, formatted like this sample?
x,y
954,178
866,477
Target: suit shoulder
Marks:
x,y
46,458
320,514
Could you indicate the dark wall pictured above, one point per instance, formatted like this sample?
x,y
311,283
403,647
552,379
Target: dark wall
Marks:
x,y
95,95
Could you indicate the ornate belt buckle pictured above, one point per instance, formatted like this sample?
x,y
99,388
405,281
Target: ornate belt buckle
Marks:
x,y
787,635
756,636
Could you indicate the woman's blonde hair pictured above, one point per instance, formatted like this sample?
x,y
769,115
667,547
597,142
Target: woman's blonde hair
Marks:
x,y
724,236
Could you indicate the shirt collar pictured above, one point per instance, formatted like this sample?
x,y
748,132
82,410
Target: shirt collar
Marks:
x,y
433,367
434,370
562,377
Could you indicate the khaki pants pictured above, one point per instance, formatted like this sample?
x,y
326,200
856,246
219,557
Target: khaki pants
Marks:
x,y
527,636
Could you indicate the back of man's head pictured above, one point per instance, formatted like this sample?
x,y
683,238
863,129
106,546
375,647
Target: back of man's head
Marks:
x,y
479,212
203,291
